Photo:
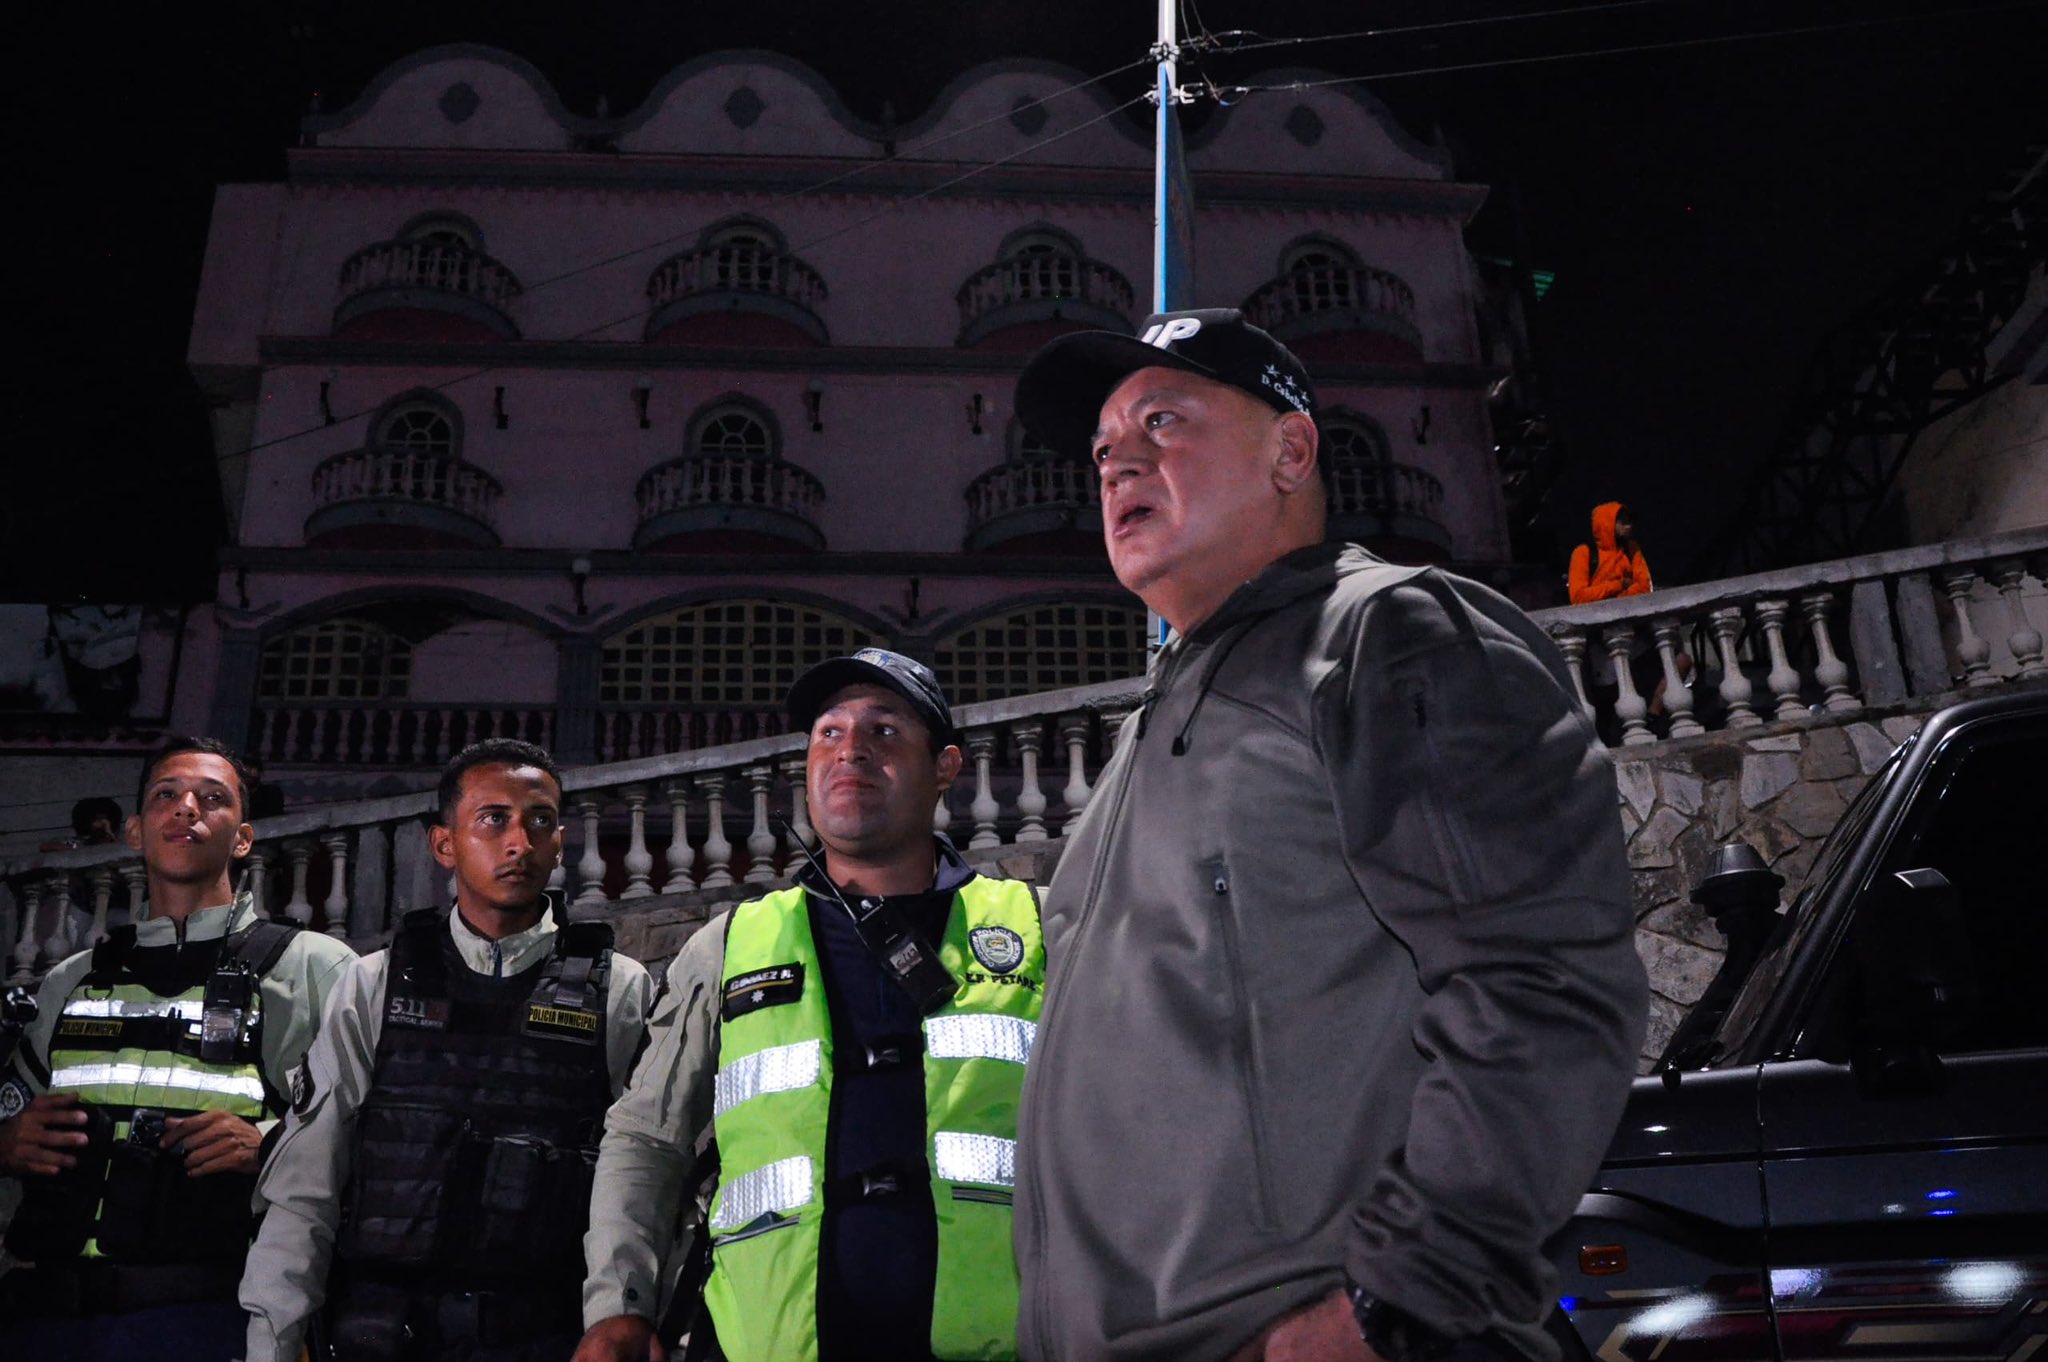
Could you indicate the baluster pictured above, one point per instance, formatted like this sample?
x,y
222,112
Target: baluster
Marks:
x,y
1973,652
1735,687
60,942
981,745
1030,799
28,896
1677,690
680,854
1572,644
299,908
639,860
717,850
1828,669
136,877
101,879
2025,639
590,867
1074,733
336,906
794,771
761,840
1112,728
558,878
1629,707
1783,678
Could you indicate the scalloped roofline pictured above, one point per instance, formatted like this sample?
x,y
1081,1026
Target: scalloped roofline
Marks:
x,y
1435,154
427,56
934,114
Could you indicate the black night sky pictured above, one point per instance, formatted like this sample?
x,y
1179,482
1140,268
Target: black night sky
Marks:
x,y
1710,210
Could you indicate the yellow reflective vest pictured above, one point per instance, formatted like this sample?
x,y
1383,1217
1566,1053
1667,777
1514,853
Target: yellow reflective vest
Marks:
x,y
773,1101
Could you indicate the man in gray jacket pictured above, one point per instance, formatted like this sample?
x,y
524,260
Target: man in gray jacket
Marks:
x,y
1344,1001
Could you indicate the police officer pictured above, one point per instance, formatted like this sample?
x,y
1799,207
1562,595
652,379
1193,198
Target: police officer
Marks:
x,y
431,1186
858,1042
141,1097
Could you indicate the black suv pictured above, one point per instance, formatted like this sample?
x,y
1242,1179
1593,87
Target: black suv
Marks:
x,y
1844,1152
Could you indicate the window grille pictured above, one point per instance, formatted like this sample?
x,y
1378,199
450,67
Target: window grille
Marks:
x,y
722,654
1043,647
337,659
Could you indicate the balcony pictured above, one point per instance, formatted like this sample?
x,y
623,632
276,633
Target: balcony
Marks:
x,y
709,502
1046,505
1393,506
357,733
1042,294
425,290
401,498
752,294
1343,312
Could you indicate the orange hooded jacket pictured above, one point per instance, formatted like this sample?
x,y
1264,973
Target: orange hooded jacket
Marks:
x,y
1616,571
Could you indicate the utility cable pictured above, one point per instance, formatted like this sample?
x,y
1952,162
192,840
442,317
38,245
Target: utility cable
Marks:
x,y
893,207
1663,45
1216,40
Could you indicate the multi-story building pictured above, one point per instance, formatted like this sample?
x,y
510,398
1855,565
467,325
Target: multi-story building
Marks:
x,y
597,430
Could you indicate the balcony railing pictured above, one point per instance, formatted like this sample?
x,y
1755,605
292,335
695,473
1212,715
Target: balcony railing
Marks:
x,y
660,842
381,486
365,733
437,275
1015,499
719,492
1318,298
1043,287
742,277
1371,499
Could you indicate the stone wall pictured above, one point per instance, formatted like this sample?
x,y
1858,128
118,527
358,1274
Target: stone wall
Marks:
x,y
1781,788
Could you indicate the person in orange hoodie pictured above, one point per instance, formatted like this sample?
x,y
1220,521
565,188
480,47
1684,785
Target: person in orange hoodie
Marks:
x,y
1612,565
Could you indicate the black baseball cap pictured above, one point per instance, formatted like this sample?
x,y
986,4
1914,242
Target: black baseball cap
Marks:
x,y
1061,392
908,677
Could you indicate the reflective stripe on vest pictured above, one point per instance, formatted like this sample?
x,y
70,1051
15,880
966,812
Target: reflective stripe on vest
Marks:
x,y
773,1103
80,1078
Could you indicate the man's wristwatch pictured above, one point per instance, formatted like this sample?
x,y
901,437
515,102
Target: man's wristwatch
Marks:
x,y
1392,1332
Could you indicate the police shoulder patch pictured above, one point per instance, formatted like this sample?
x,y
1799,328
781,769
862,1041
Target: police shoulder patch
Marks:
x,y
999,949
14,1098
302,1086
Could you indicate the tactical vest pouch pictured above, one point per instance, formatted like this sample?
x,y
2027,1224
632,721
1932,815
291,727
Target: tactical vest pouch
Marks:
x,y
54,1220
153,1213
402,1216
524,1183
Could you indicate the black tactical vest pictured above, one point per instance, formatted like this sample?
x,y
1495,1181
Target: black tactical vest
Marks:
x,y
475,1144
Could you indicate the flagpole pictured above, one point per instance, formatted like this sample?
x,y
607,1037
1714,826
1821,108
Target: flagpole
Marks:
x,y
1167,50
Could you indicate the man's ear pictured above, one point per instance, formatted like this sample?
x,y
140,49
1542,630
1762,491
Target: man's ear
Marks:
x,y
441,841
131,833
1294,458
245,841
948,762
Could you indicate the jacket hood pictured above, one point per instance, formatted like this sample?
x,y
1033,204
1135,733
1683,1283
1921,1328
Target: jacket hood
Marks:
x,y
1604,516
1301,573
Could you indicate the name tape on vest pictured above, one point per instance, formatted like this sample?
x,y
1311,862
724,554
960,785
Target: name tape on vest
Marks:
x,y
772,987
572,1022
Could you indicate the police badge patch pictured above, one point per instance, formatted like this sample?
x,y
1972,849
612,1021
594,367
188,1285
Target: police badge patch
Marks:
x,y
999,949
302,1087
14,1097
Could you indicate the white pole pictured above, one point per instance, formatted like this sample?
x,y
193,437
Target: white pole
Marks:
x,y
1167,51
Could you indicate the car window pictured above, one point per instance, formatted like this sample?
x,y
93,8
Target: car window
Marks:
x,y
1983,823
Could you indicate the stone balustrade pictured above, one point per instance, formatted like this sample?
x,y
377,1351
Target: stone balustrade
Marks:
x,y
1299,301
726,491
694,823
750,275
678,833
431,272
1037,285
1831,637
1027,497
423,488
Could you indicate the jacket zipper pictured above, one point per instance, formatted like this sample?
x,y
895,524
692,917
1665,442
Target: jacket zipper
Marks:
x,y
1457,864
1250,1089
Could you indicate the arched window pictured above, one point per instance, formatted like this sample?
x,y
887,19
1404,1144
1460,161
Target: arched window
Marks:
x,y
733,430
345,658
1045,261
723,653
741,254
1320,274
1028,448
417,428
1352,439
1042,647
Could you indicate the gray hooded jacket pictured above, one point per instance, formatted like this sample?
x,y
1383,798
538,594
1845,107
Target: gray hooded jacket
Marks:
x,y
1343,978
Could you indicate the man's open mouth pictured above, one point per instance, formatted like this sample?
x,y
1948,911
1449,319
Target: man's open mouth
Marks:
x,y
1132,515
